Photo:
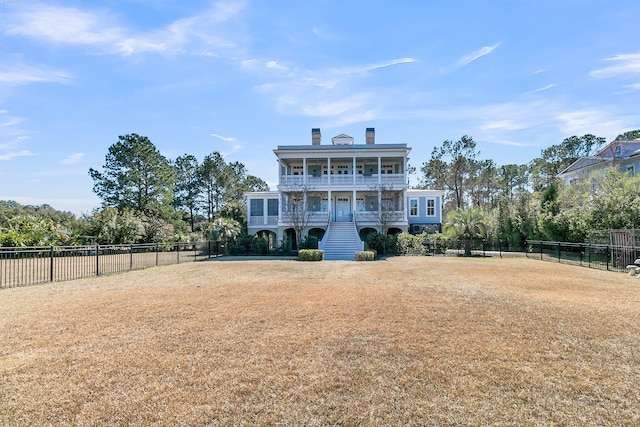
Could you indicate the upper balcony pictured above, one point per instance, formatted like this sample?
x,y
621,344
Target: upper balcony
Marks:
x,y
396,180
340,171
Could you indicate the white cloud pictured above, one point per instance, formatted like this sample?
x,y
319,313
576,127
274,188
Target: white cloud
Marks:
x,y
11,122
592,121
223,138
542,89
72,159
625,64
21,74
468,59
372,67
196,35
13,154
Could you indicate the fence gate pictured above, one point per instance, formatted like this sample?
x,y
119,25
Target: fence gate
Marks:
x,y
623,247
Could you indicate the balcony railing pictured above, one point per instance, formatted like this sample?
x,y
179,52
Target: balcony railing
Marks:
x,y
393,179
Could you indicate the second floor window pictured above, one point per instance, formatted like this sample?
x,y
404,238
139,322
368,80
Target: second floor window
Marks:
x,y
272,207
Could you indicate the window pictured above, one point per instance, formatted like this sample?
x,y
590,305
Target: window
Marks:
x,y
413,207
631,170
313,203
257,207
431,207
371,203
272,207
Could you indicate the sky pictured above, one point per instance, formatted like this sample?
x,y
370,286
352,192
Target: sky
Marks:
x,y
241,77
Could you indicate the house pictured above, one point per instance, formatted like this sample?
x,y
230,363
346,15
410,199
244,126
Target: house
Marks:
x,y
621,154
341,192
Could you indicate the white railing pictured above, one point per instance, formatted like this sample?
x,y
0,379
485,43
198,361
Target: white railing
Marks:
x,y
392,179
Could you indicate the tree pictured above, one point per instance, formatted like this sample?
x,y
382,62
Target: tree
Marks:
x,y
615,204
27,230
224,230
135,176
556,158
295,208
390,208
449,168
215,181
466,225
115,226
629,136
188,187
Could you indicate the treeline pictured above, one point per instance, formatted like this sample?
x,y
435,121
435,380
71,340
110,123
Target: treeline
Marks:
x,y
509,204
146,198
149,198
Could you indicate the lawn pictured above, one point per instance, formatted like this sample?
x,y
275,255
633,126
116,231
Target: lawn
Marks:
x,y
405,341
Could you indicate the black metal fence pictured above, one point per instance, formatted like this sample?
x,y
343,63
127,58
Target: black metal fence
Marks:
x,y
604,257
30,265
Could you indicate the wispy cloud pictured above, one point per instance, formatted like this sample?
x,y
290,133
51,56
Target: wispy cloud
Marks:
x,y
72,159
598,122
197,35
624,64
232,142
18,74
372,67
542,89
335,94
474,56
13,154
223,138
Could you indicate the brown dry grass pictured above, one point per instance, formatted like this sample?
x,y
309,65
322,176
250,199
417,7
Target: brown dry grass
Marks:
x,y
406,341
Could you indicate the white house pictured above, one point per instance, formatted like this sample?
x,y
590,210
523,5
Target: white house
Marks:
x,y
341,192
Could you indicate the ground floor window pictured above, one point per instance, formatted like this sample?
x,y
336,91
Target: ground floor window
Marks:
x,y
431,207
413,207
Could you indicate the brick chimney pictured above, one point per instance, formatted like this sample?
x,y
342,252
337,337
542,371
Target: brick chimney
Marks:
x,y
315,136
370,136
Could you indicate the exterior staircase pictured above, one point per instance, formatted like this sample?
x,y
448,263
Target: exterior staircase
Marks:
x,y
341,241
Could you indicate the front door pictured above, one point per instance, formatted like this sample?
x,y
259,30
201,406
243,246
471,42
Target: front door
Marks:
x,y
343,209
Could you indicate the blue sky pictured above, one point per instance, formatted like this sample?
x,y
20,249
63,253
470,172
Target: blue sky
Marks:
x,y
243,76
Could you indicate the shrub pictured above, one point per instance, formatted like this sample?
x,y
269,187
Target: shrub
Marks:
x,y
375,253
310,255
365,256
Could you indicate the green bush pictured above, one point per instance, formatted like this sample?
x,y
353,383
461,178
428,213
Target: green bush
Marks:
x,y
311,255
375,253
365,255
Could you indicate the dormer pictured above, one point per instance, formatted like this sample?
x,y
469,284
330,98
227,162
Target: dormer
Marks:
x,y
342,139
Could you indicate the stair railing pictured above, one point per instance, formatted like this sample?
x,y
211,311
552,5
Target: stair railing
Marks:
x,y
323,241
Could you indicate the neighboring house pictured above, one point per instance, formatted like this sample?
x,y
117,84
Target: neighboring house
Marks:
x,y
621,154
340,193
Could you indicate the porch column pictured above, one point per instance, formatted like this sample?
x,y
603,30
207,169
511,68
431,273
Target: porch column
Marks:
x,y
329,174
353,171
379,169
265,211
353,204
304,170
329,204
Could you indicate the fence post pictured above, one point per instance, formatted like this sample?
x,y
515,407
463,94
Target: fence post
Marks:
x,y
559,252
51,264
97,259
608,256
178,251
157,252
581,253
540,249
131,257
209,245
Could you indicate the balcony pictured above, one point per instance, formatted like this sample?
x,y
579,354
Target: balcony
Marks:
x,y
398,179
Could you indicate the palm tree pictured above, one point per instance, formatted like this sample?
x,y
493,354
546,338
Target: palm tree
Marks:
x,y
224,229
466,225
